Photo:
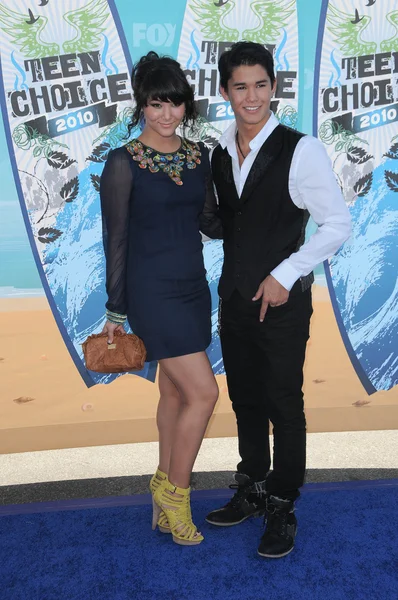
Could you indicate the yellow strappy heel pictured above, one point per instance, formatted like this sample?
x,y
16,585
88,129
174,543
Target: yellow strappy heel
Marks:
x,y
158,478
175,504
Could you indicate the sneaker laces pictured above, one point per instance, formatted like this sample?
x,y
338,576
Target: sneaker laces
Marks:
x,y
259,488
276,519
242,491
276,522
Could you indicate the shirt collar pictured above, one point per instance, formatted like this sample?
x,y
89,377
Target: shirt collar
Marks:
x,y
227,140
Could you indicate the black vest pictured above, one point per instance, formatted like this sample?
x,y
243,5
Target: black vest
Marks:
x,y
263,227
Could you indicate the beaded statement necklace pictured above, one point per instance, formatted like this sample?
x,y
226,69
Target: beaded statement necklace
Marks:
x,y
171,163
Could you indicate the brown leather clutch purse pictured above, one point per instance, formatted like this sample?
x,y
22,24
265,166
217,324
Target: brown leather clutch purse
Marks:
x,y
127,353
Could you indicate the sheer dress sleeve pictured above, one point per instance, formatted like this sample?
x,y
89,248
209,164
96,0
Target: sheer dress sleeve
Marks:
x,y
209,220
115,192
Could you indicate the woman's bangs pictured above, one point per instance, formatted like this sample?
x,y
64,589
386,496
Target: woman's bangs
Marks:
x,y
167,88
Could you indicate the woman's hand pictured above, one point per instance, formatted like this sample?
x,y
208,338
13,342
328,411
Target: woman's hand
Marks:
x,y
110,328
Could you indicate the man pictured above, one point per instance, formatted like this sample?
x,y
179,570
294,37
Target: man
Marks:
x,y
268,179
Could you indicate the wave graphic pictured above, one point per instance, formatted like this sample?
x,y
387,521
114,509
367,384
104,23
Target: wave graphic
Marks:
x,y
364,275
197,52
336,81
287,64
75,265
17,84
213,257
114,69
280,66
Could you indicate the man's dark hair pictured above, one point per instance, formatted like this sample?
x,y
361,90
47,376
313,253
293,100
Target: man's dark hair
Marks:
x,y
245,53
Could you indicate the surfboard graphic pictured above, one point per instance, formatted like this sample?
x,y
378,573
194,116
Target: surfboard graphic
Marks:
x,y
209,28
356,95
66,101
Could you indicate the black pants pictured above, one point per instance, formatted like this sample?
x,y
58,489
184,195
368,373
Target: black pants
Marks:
x,y
264,369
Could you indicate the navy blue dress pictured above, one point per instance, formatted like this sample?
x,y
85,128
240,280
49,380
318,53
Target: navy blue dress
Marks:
x,y
154,206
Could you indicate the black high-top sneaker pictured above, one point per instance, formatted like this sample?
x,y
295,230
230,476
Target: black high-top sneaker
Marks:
x,y
248,501
281,527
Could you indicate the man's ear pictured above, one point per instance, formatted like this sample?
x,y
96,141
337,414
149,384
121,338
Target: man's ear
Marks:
x,y
274,87
224,93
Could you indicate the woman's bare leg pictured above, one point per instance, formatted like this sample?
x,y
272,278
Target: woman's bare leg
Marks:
x,y
167,414
194,380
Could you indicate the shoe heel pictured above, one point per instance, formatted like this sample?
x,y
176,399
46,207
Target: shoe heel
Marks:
x,y
158,480
164,529
155,514
175,503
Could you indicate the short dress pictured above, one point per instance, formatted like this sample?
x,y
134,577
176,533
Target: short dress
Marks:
x,y
154,206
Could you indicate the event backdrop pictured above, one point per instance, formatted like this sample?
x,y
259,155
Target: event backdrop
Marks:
x,y
357,118
66,101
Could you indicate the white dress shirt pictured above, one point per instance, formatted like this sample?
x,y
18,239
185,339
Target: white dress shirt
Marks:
x,y
312,186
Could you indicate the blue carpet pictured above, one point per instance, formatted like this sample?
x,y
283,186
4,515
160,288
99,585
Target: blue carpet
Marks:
x,y
346,548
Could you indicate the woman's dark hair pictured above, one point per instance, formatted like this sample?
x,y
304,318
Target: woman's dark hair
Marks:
x,y
244,53
161,78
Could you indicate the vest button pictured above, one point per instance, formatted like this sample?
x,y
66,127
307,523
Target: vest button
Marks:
x,y
239,213
239,229
238,245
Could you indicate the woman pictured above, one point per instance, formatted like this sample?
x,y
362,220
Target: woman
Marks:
x,y
153,193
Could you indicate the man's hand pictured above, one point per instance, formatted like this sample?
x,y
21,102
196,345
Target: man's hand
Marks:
x,y
273,294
